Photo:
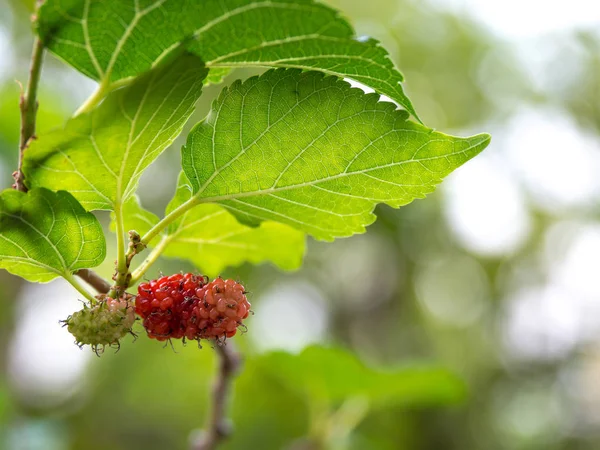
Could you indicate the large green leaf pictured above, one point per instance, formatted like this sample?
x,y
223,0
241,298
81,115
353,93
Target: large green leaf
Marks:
x,y
212,239
100,156
333,375
314,153
44,235
111,40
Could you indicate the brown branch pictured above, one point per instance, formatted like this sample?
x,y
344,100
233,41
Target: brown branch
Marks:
x,y
217,426
94,280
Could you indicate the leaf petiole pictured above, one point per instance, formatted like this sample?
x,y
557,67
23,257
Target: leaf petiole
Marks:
x,y
71,279
169,219
94,99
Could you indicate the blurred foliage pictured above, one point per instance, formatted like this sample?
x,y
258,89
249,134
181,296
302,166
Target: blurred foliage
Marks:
x,y
369,287
332,375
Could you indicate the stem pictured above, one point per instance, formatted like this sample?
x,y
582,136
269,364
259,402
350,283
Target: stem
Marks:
x,y
29,105
122,277
93,100
79,287
122,267
151,259
217,425
169,219
94,280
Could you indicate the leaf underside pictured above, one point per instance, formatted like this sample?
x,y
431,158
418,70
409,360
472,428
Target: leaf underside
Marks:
x,y
44,235
212,239
100,156
112,40
312,152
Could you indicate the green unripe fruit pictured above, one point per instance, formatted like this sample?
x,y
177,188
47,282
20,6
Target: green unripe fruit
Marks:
x,y
103,323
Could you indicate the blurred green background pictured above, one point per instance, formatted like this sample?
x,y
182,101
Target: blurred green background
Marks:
x,y
469,320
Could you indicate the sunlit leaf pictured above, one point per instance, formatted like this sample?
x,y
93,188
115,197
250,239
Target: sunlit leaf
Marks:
x,y
44,235
112,40
100,156
212,239
314,153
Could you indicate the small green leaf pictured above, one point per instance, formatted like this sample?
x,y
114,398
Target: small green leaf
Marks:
x,y
44,235
334,375
314,153
212,239
100,156
216,76
112,40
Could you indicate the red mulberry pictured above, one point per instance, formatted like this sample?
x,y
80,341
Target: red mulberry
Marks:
x,y
186,306
220,309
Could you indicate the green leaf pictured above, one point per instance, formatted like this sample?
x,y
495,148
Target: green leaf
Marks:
x,y
314,153
100,156
333,375
44,235
212,239
112,40
216,76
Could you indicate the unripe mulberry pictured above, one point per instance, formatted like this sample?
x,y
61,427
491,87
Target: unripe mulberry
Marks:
x,y
103,323
186,306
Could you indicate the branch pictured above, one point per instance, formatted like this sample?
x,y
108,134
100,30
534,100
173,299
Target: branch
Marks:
x,y
151,259
217,426
122,276
28,105
94,280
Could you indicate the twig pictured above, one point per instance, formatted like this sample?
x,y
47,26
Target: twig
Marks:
x,y
94,280
150,259
217,426
122,276
28,105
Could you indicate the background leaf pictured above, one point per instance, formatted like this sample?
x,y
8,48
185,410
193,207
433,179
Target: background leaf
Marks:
x,y
314,153
333,375
100,156
212,239
113,40
44,235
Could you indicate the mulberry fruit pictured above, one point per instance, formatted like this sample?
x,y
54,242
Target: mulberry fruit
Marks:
x,y
103,323
186,306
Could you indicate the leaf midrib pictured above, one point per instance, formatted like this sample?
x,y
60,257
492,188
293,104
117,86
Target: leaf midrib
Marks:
x,y
324,180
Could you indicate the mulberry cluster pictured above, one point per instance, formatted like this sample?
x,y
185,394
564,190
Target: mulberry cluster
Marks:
x,y
187,306
103,323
